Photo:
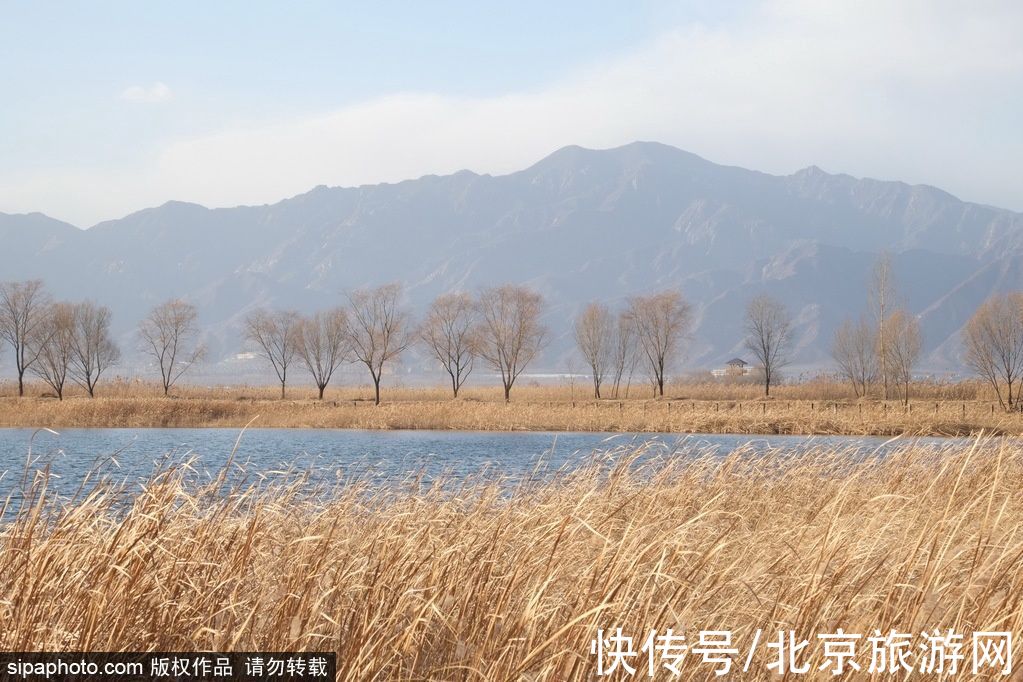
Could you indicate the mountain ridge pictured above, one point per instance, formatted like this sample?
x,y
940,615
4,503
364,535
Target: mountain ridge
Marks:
x,y
579,224
811,170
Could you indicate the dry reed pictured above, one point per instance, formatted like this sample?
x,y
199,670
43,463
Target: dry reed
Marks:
x,y
480,581
920,417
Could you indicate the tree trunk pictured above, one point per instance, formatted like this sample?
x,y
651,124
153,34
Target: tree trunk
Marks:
x,y
321,390
376,388
507,393
282,390
21,384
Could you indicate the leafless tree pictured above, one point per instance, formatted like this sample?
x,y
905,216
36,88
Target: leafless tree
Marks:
x,y
53,346
323,344
510,332
93,350
660,322
854,349
903,347
24,310
169,335
379,329
276,335
595,330
624,354
768,336
448,332
993,340
882,301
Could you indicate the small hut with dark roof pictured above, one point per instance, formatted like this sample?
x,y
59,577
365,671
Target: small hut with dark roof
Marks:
x,y
736,367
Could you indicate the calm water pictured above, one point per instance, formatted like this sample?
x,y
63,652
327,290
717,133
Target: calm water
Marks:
x,y
328,456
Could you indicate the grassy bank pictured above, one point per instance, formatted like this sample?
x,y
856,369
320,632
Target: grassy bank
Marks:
x,y
480,585
921,417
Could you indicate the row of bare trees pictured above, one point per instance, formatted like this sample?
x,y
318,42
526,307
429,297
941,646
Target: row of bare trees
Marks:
x,y
55,341
60,342
501,326
650,330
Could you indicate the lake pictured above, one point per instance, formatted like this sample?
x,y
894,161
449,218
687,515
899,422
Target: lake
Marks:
x,y
330,456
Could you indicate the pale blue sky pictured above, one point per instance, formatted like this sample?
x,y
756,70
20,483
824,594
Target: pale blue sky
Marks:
x,y
109,107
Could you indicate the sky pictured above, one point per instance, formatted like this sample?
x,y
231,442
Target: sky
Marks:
x,y
110,107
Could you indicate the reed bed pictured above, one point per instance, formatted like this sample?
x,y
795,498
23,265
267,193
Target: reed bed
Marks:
x,y
920,417
557,390
489,580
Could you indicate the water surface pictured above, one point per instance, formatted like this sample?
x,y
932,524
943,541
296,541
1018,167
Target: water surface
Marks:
x,y
328,456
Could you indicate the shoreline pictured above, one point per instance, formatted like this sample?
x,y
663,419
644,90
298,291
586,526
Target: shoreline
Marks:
x,y
768,417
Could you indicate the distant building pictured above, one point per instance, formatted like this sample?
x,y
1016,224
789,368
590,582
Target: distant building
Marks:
x,y
736,367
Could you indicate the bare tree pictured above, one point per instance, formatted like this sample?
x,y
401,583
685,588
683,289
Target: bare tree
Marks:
x,y
660,322
768,336
23,312
882,300
993,340
448,332
624,354
276,334
53,346
510,332
903,347
379,329
595,330
169,335
854,349
323,344
93,350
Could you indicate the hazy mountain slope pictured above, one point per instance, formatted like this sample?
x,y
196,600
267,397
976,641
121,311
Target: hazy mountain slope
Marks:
x,y
579,225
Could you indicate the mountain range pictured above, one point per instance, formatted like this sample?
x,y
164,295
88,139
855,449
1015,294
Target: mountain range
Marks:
x,y
579,225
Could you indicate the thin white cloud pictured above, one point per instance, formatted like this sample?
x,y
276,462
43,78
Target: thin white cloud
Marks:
x,y
879,89
152,94
921,91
